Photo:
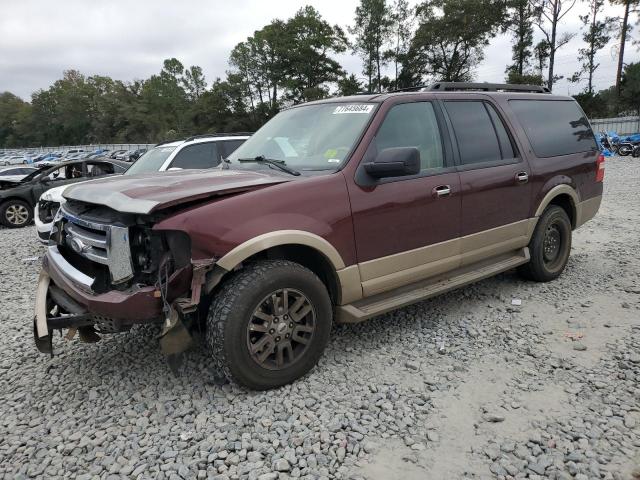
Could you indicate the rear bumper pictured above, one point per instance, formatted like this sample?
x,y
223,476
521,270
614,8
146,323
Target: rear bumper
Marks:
x,y
587,209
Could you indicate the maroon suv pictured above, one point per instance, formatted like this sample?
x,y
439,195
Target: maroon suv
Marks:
x,y
336,210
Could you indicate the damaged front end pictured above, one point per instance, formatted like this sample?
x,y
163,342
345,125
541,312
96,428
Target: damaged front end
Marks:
x,y
105,271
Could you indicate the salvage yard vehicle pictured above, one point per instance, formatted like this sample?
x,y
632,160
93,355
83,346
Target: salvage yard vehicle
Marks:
x,y
335,210
17,199
202,151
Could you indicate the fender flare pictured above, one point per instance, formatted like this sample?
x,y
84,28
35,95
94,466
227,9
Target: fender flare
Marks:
x,y
280,237
556,191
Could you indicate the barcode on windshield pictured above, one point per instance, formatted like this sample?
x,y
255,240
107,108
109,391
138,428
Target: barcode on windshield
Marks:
x,y
356,108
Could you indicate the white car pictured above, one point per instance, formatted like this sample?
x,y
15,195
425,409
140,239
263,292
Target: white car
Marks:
x,y
15,174
202,151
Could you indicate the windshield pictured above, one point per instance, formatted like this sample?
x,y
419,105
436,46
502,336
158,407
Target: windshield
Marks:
x,y
151,161
312,137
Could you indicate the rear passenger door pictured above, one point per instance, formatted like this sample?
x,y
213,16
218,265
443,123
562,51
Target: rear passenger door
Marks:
x,y
198,155
494,178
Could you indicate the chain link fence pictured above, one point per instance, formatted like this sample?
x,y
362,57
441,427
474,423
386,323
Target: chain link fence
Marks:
x,y
87,148
621,125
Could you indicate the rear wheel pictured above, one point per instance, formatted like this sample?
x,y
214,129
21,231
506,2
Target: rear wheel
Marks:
x,y
269,324
549,247
15,213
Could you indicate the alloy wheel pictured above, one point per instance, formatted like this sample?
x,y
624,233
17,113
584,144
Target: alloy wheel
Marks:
x,y
16,214
281,329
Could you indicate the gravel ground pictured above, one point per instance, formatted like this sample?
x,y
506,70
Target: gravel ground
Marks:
x,y
467,385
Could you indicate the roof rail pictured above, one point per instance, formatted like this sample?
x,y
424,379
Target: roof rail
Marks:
x,y
165,142
482,87
487,87
209,135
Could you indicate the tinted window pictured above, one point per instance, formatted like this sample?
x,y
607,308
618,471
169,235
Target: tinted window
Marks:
x,y
554,127
200,155
230,146
474,132
506,147
413,125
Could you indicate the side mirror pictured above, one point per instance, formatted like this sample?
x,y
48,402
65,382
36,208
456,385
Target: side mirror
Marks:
x,y
395,162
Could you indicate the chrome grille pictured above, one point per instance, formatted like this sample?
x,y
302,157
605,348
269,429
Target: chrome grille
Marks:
x,y
97,242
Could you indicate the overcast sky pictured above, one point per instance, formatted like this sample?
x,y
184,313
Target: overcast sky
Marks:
x,y
129,39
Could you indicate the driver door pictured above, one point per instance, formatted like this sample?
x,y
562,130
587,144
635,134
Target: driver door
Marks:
x,y
406,228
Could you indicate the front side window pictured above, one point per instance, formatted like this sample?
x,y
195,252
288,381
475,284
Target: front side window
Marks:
x,y
99,169
554,127
413,125
200,155
309,137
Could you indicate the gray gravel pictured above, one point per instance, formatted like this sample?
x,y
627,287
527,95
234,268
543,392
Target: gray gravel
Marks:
x,y
467,385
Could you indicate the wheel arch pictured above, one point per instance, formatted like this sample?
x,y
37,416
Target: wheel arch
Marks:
x,y
563,196
307,249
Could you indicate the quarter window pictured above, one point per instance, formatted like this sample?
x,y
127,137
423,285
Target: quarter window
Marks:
x,y
413,125
554,127
200,155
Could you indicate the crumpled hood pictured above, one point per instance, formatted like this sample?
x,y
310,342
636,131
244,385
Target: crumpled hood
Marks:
x,y
147,193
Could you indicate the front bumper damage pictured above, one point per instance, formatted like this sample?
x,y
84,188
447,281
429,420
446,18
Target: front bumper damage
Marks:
x,y
64,300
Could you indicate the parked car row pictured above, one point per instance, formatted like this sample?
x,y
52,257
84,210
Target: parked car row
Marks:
x,y
35,191
337,210
15,157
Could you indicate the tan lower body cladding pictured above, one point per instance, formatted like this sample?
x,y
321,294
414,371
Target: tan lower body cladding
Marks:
x,y
387,273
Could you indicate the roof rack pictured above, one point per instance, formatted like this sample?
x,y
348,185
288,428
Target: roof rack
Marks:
x,y
208,135
479,87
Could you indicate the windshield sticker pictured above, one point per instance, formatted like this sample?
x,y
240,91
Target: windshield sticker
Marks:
x,y
356,108
333,160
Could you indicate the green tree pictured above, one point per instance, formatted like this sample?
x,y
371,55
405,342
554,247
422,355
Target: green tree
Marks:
x,y
630,7
11,111
349,85
372,27
596,36
549,16
308,67
520,24
630,89
451,36
402,20
194,83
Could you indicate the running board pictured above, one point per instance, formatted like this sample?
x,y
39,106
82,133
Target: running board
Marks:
x,y
403,296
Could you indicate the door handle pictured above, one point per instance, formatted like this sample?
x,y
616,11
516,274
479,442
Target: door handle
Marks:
x,y
442,190
522,177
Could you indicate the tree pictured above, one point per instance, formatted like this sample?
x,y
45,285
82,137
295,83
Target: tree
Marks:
x,y
349,85
451,36
11,107
194,83
630,89
630,7
372,30
520,25
308,68
549,15
401,33
596,37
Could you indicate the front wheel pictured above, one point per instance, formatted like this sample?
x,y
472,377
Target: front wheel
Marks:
x,y
549,247
15,213
269,323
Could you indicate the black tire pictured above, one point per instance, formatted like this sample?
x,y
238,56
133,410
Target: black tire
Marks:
x,y
549,247
233,309
15,213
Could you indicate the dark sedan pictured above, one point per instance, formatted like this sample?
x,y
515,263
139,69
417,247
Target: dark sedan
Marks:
x,y
17,199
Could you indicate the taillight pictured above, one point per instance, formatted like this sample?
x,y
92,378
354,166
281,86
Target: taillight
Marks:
x,y
600,168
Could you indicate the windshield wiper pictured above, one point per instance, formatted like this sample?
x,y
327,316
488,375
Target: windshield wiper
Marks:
x,y
269,161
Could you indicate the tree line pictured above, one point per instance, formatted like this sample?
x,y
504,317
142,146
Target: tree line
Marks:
x,y
294,60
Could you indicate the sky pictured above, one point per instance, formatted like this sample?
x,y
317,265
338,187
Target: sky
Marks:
x,y
128,40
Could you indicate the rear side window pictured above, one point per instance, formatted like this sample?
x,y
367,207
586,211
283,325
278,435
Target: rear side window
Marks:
x,y
230,146
476,134
413,125
556,127
200,155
